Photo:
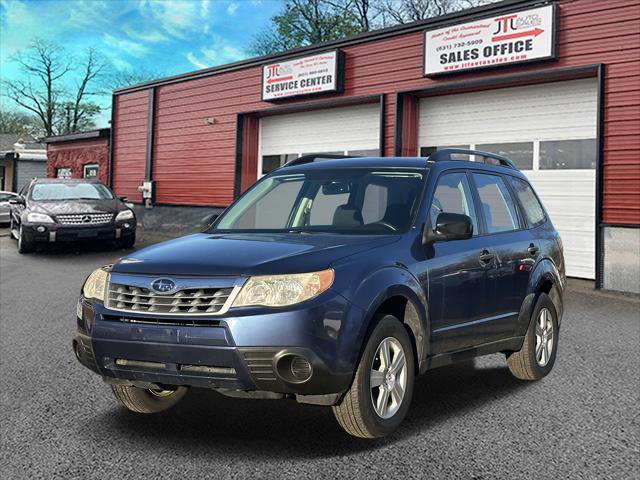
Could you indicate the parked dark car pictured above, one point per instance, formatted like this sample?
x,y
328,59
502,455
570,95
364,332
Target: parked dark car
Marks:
x,y
335,282
55,210
5,206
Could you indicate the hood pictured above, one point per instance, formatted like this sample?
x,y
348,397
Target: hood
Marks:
x,y
74,206
247,254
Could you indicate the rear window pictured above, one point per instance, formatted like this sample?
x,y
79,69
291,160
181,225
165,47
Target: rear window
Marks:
x,y
531,205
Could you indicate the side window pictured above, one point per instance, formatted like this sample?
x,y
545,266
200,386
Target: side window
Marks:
x,y
496,203
453,195
530,204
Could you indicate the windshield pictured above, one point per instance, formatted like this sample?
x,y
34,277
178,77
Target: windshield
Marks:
x,y
358,201
70,191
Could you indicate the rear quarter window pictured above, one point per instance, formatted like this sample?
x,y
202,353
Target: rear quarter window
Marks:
x,y
533,210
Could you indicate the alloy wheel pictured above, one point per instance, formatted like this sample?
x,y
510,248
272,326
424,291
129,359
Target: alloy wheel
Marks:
x,y
544,337
388,378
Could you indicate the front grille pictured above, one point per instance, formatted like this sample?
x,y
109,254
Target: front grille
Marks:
x,y
84,218
189,301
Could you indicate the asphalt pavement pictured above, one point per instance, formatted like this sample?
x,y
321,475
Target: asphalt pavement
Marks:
x,y
470,421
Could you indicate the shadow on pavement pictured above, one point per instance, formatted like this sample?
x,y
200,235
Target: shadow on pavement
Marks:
x,y
211,424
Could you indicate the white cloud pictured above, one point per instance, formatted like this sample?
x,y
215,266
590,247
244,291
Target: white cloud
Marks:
x,y
128,46
217,52
144,35
231,9
120,64
196,62
178,19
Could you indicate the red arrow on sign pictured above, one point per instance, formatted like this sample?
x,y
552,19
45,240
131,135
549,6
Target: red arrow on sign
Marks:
x,y
529,33
281,79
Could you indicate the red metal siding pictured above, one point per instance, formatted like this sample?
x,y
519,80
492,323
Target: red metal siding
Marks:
x,y
130,143
194,160
78,153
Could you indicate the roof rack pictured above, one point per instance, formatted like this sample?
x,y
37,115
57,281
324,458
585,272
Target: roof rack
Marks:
x,y
313,157
445,155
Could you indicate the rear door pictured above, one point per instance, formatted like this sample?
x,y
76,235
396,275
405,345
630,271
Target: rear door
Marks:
x,y
510,243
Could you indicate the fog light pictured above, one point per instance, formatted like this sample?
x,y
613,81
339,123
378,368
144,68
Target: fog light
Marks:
x,y
300,368
41,229
126,225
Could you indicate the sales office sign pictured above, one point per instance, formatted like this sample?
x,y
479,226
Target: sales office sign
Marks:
x,y
303,76
502,40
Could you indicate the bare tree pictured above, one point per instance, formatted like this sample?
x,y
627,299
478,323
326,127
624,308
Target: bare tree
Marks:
x,y
44,89
407,11
125,78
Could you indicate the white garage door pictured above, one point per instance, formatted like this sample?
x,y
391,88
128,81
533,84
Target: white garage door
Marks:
x,y
549,130
351,130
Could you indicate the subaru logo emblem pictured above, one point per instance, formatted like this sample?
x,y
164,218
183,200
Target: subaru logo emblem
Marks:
x,y
163,285
86,219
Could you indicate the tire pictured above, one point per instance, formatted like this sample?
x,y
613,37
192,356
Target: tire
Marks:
x,y
24,246
128,242
356,413
532,362
142,400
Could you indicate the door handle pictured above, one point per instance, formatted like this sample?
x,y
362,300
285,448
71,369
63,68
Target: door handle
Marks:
x,y
533,250
486,256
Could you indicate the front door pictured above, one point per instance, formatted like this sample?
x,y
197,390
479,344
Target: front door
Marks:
x,y
457,279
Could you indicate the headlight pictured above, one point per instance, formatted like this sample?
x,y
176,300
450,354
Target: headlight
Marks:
x,y
96,285
283,290
124,215
38,218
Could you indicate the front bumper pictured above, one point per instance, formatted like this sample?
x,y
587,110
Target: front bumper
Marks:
x,y
249,352
52,233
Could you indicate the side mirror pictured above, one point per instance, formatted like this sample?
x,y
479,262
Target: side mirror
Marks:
x,y
123,199
17,201
449,226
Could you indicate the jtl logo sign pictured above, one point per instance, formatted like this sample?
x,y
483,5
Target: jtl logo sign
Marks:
x,y
510,27
279,73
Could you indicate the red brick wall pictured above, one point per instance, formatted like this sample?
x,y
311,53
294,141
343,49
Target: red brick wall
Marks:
x,y
78,153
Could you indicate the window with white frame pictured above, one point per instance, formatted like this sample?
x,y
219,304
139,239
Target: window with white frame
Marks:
x,y
91,170
571,154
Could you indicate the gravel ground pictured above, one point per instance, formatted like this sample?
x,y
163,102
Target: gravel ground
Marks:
x,y
472,421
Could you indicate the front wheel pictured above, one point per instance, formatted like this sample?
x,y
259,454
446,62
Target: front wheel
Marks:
x,y
24,246
127,242
538,353
381,392
145,400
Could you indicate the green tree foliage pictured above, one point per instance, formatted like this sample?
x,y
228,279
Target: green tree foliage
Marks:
x,y
19,123
306,22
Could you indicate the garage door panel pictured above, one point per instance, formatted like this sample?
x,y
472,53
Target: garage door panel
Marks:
x,y
555,111
335,129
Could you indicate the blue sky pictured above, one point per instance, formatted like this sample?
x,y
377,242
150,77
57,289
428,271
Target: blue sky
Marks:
x,y
172,36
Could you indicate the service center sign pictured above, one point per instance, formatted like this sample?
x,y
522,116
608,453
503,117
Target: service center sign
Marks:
x,y
319,73
502,40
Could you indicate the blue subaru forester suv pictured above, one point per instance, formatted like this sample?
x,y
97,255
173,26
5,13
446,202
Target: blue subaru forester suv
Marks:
x,y
335,282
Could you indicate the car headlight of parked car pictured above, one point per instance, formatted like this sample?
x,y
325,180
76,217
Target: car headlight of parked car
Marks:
x,y
34,217
96,285
283,290
124,215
